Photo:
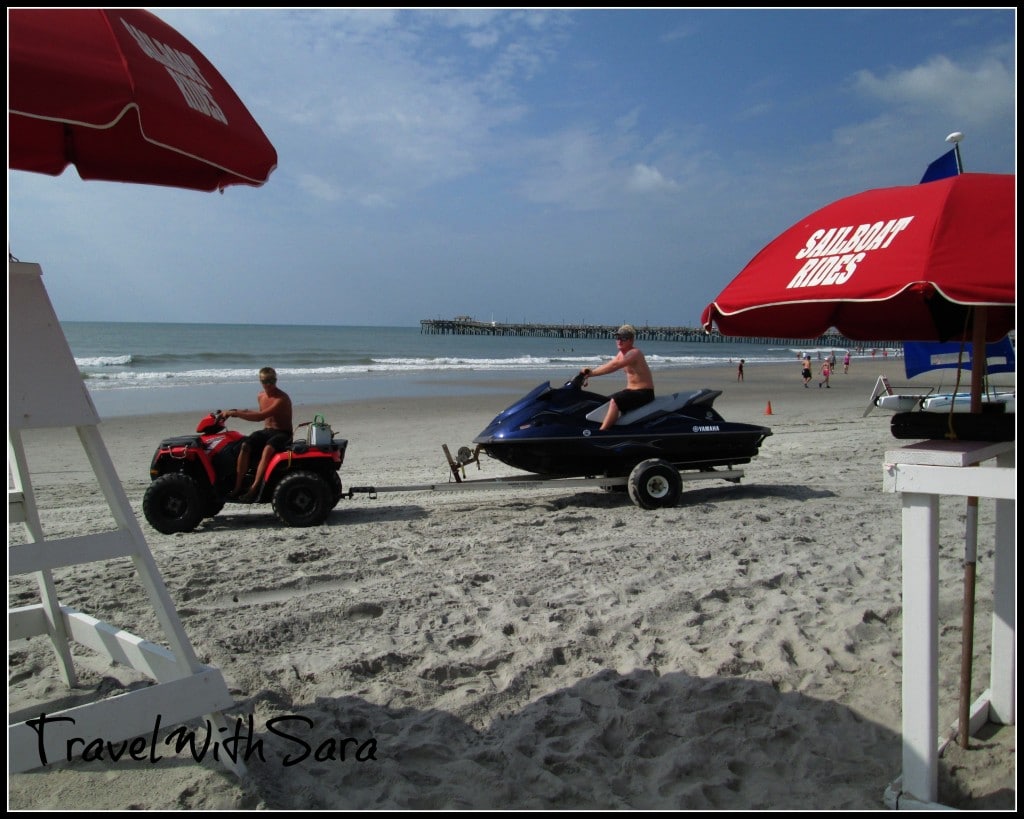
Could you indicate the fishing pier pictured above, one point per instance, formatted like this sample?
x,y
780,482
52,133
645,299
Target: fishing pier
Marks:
x,y
467,326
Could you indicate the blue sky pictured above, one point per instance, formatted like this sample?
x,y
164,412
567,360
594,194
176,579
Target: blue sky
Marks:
x,y
597,166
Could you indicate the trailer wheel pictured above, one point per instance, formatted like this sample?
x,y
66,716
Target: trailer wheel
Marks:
x,y
655,483
172,504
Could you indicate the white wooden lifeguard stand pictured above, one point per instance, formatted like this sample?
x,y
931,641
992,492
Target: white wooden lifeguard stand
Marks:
x,y
46,391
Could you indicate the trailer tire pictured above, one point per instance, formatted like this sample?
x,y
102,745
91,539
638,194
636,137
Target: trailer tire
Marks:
x,y
654,484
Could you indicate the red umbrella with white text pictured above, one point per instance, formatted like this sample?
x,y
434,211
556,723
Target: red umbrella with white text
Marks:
x,y
124,97
929,262
908,263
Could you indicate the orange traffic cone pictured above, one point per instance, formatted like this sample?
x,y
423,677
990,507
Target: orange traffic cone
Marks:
x,y
768,409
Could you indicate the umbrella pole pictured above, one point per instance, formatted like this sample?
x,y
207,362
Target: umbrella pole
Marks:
x,y
967,651
971,543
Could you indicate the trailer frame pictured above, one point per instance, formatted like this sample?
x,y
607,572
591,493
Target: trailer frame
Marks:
x,y
652,484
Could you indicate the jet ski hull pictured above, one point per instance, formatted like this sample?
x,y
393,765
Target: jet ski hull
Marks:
x,y
548,432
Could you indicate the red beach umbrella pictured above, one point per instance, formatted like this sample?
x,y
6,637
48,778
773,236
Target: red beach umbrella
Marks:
x,y
905,263
929,262
124,97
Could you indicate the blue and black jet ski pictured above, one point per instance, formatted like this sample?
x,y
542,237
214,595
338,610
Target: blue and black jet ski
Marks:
x,y
556,432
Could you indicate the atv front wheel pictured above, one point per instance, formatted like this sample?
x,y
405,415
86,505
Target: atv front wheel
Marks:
x,y
303,499
172,504
212,507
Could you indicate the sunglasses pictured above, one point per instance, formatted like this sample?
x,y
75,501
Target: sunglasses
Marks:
x,y
268,381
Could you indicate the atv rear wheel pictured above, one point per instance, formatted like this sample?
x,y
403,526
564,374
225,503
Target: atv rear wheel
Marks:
x,y
172,503
303,499
334,481
655,483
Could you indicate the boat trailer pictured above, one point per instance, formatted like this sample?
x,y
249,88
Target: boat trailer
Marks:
x,y
652,484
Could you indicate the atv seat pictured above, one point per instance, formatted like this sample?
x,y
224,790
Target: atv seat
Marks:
x,y
667,403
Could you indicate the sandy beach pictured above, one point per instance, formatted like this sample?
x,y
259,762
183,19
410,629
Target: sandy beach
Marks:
x,y
535,648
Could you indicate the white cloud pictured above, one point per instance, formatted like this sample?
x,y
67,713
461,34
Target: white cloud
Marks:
x,y
319,187
645,179
940,84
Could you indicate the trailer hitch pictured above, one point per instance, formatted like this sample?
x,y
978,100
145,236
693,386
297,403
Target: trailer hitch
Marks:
x,y
463,458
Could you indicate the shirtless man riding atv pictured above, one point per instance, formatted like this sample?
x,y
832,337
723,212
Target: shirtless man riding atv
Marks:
x,y
276,410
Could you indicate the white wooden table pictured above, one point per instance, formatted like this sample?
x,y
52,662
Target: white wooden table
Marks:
x,y
921,473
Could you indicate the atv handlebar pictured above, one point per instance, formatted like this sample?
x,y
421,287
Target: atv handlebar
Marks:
x,y
221,416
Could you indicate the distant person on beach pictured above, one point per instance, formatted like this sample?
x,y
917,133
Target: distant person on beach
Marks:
x,y
739,371
826,371
832,361
805,370
639,381
846,363
276,413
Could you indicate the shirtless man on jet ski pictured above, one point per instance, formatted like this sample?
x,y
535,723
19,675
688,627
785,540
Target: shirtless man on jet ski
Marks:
x,y
639,381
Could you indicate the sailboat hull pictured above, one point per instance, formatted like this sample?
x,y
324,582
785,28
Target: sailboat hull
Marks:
x,y
983,426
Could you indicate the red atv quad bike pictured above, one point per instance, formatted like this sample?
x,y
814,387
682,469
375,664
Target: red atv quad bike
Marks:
x,y
192,475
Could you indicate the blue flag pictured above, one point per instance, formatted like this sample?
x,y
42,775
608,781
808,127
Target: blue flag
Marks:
x,y
942,167
922,356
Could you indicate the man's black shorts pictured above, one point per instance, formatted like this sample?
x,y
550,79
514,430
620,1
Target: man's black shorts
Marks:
x,y
627,400
276,438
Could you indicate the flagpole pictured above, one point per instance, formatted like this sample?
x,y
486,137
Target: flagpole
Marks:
x,y
955,138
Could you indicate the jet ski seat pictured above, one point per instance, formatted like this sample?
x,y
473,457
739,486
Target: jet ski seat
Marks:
x,y
666,403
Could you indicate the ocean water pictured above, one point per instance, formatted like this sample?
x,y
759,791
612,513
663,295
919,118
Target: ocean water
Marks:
x,y
133,368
